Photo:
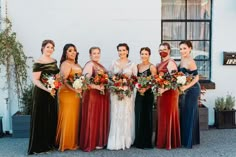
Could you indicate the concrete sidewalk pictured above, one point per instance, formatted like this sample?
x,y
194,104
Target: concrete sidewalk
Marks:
x,y
214,143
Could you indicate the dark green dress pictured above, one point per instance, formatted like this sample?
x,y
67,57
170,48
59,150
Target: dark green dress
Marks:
x,y
44,114
143,116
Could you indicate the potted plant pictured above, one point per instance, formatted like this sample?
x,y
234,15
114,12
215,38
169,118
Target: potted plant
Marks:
x,y
225,112
203,110
21,119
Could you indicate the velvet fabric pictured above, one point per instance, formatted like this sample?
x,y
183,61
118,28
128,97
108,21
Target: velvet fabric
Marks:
x,y
168,126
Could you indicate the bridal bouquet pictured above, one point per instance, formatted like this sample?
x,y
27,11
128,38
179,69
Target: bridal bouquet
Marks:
x,y
52,82
122,85
143,82
100,79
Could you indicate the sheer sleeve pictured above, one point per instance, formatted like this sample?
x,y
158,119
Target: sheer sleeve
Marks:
x,y
111,68
134,69
88,69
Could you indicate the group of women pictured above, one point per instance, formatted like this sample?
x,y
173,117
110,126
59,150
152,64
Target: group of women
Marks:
x,y
64,121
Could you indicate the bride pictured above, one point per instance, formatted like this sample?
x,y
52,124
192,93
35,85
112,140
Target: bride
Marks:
x,y
121,135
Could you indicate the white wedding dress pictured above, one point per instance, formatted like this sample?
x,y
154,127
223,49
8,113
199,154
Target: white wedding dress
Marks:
x,y
122,129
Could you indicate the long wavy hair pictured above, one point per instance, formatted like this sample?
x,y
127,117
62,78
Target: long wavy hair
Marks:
x,y
63,56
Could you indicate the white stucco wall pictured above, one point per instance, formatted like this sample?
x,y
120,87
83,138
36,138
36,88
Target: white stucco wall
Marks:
x,y
103,23
106,23
223,39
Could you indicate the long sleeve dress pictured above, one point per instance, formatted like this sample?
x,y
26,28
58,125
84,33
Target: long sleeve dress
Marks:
x,y
122,128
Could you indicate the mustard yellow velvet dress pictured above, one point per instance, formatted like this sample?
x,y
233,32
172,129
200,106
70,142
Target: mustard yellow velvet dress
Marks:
x,y
68,117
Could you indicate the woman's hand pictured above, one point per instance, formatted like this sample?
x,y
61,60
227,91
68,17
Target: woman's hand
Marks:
x,y
183,88
98,87
161,90
52,92
78,90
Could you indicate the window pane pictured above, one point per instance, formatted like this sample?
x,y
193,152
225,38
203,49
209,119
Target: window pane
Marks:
x,y
198,30
173,9
198,9
201,45
174,49
203,69
173,30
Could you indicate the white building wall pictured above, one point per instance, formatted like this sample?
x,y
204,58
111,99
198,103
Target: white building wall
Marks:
x,y
223,39
106,23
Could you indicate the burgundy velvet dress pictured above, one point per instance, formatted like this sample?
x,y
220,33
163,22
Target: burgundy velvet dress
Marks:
x,y
94,117
168,126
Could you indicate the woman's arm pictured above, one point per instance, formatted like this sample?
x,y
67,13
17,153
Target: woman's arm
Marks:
x,y
172,66
134,69
65,71
191,66
153,70
38,83
88,71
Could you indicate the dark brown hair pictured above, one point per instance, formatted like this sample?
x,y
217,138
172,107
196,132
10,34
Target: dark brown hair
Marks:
x,y
124,45
146,49
63,56
45,42
186,42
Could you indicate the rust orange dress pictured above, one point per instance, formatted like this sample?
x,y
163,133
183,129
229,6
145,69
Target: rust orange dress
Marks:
x,y
68,118
168,126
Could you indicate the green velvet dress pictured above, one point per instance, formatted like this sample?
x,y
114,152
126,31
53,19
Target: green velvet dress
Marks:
x,y
44,114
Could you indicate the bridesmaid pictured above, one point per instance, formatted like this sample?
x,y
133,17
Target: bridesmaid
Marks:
x,y
190,134
69,101
44,111
95,108
144,104
168,129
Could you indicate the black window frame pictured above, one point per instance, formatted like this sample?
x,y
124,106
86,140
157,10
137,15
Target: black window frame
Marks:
x,y
186,21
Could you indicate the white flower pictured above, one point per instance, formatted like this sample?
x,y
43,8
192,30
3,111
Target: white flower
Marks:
x,y
77,84
51,80
181,80
49,88
82,78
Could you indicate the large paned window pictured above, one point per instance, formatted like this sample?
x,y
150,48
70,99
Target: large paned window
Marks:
x,y
189,20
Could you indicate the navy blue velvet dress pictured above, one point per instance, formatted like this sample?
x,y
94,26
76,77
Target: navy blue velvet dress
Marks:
x,y
189,115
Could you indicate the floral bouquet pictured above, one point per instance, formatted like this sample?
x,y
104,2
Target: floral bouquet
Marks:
x,y
78,82
100,79
143,82
122,85
52,82
161,80
180,79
